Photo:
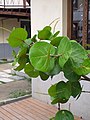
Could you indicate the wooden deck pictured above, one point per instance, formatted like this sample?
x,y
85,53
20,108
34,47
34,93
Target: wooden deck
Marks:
x,y
27,109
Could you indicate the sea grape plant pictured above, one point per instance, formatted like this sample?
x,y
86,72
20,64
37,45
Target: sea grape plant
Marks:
x,y
47,54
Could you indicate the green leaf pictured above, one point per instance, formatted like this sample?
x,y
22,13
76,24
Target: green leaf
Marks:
x,y
17,37
84,68
55,35
56,41
34,38
78,55
28,41
30,71
63,91
55,100
60,92
19,68
64,115
64,49
47,28
22,60
22,63
59,100
52,90
69,72
15,61
22,52
45,34
14,54
39,56
76,89
56,70
43,76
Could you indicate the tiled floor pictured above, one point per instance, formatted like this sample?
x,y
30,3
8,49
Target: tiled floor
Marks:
x,y
9,75
14,82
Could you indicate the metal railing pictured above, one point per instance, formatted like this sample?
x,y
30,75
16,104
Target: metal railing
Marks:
x,y
14,4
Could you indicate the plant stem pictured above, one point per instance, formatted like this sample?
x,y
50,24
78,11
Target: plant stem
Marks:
x,y
55,26
59,107
56,56
54,21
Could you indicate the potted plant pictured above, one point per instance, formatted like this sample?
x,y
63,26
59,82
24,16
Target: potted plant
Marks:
x,y
47,54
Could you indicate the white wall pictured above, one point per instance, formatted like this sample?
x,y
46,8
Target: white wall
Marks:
x,y
42,13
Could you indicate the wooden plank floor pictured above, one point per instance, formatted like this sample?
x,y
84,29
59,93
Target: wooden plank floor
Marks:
x,y
27,109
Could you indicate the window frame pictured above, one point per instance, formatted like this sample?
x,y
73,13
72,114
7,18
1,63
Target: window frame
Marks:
x,y
85,21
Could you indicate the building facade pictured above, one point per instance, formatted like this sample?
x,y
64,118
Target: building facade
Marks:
x,y
13,13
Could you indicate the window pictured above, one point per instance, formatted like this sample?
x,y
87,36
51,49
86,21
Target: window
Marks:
x,y
26,24
79,21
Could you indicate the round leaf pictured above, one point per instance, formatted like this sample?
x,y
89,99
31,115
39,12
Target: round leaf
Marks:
x,y
78,55
17,37
52,90
76,89
64,115
45,34
56,41
64,49
63,92
29,70
59,92
22,62
39,56
58,100
69,72
56,70
84,68
43,76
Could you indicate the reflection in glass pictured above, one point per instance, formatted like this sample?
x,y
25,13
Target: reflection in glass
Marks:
x,y
77,20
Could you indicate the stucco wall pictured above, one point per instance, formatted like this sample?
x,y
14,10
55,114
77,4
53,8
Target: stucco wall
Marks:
x,y
42,13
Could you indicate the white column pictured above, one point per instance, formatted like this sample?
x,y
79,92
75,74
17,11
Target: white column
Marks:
x,y
43,12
